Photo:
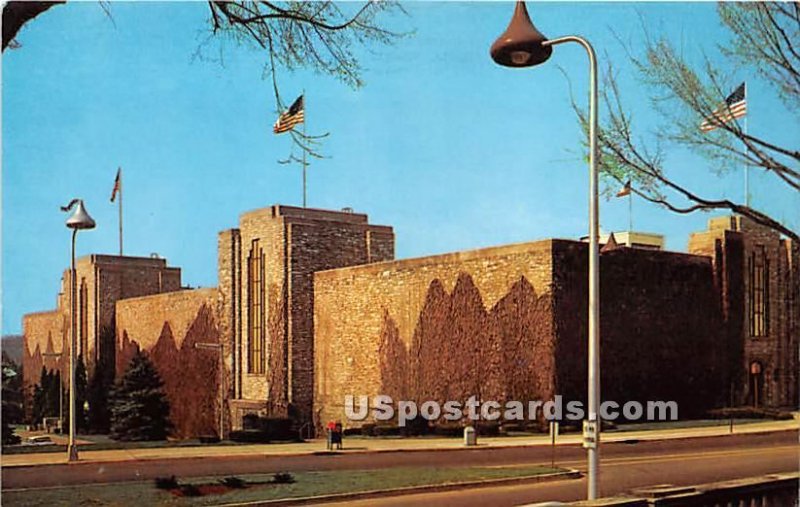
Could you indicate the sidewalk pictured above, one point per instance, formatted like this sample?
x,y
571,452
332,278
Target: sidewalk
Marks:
x,y
361,445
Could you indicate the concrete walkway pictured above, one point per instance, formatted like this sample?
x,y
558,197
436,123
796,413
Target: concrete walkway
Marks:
x,y
361,445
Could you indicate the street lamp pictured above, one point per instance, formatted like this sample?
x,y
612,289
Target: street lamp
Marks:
x,y
522,45
79,220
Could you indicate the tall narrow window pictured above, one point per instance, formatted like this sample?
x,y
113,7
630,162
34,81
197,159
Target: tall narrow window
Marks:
x,y
83,302
758,292
256,329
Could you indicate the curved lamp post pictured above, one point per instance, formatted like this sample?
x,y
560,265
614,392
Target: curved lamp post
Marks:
x,y
522,45
79,220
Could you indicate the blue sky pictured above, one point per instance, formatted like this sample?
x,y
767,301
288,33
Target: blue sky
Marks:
x,y
450,149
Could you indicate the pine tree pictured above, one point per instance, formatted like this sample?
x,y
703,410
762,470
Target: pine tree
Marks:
x,y
139,407
12,402
38,409
46,396
52,387
101,383
80,394
99,417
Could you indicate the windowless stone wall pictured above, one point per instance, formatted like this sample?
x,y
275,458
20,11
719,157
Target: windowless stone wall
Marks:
x,y
509,323
436,328
44,333
167,327
661,329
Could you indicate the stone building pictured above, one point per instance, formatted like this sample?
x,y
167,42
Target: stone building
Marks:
x,y
509,323
258,323
758,276
311,306
102,280
266,275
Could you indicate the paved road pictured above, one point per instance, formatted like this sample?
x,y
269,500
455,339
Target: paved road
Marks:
x,y
355,444
681,465
778,449
383,444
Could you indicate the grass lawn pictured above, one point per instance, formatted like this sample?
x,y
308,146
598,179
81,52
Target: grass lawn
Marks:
x,y
260,487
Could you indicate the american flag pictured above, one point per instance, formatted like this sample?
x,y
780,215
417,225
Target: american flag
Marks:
x,y
117,184
291,117
625,190
735,106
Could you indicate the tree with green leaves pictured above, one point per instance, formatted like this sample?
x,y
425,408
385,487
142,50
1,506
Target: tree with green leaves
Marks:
x,y
80,395
764,41
37,406
101,383
47,396
12,401
99,416
139,406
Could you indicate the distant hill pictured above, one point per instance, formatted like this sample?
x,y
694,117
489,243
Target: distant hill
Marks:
x,y
12,348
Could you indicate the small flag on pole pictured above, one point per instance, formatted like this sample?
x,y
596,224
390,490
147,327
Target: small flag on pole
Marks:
x,y
291,117
735,106
625,190
117,184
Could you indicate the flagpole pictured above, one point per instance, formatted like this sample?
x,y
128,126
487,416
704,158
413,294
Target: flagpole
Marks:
x,y
120,211
630,212
746,165
305,119
627,191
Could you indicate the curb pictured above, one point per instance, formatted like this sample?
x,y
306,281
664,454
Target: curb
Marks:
x,y
432,488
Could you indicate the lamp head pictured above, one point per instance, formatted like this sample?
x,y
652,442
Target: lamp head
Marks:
x,y
80,218
521,44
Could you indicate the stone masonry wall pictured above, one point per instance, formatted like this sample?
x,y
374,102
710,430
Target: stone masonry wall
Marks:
x,y
256,388
44,333
725,248
107,279
295,242
510,323
316,245
732,240
230,279
789,309
441,327
167,327
101,280
660,327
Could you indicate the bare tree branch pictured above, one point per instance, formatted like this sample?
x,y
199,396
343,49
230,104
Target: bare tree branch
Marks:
x,y
321,36
315,35
766,37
